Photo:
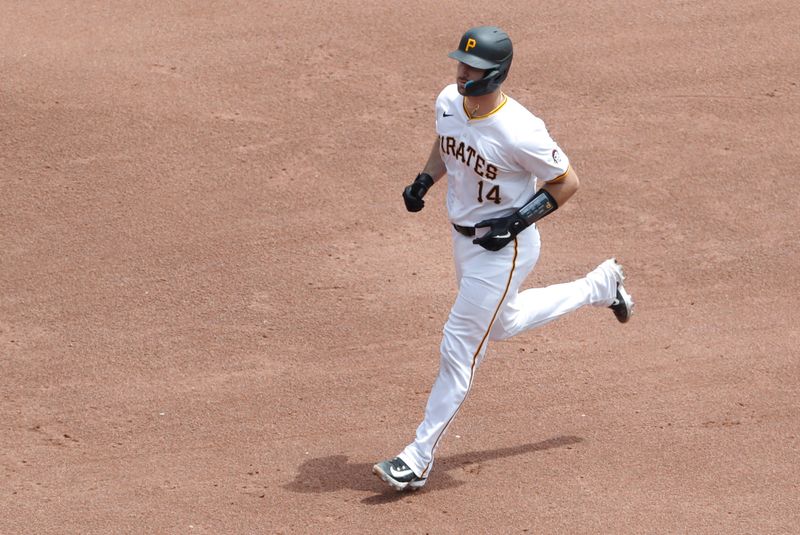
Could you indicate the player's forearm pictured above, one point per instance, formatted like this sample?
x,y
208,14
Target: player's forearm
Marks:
x,y
434,170
561,190
546,200
435,166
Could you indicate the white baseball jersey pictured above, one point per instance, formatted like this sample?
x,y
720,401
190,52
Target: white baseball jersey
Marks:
x,y
493,161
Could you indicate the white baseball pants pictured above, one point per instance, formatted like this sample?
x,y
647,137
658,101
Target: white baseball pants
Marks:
x,y
489,307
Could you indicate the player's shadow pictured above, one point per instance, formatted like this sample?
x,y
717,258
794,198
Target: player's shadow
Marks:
x,y
335,472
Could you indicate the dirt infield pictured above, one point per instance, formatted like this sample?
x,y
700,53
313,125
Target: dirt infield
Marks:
x,y
216,314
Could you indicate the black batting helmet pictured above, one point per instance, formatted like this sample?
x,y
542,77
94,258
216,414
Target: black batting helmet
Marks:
x,y
488,48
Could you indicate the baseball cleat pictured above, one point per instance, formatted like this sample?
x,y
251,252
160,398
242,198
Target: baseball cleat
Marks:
x,y
623,302
398,475
623,305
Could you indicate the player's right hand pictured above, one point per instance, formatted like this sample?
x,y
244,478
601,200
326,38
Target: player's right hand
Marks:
x,y
415,191
502,231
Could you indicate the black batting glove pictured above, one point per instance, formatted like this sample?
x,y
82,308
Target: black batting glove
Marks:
x,y
502,231
414,193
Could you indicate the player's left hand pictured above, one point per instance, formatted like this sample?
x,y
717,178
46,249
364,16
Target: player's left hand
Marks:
x,y
502,231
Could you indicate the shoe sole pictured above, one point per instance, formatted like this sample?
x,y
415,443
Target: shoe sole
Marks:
x,y
396,485
627,300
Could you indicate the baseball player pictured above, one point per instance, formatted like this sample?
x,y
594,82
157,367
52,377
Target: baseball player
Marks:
x,y
504,173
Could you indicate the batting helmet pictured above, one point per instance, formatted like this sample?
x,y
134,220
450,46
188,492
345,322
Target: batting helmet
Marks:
x,y
488,48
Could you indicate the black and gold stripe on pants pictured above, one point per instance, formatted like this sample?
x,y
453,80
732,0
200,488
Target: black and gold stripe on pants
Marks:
x,y
477,352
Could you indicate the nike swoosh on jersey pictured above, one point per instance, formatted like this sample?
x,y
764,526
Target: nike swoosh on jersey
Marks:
x,y
445,114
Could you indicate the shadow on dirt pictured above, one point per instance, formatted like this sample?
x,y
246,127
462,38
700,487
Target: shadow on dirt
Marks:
x,y
333,473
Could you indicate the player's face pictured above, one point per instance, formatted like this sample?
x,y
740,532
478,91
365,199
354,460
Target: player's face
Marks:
x,y
465,73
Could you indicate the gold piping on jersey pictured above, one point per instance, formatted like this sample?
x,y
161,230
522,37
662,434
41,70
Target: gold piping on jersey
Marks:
x,y
484,116
559,178
475,355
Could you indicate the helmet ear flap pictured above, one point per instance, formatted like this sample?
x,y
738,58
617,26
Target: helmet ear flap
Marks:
x,y
492,75
485,85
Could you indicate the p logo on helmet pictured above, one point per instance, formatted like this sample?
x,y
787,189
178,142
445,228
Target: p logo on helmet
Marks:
x,y
470,44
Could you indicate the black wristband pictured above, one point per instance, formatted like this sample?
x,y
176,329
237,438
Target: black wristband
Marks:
x,y
539,206
425,180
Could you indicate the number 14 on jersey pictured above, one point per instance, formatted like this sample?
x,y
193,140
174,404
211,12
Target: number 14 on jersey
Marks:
x,y
493,193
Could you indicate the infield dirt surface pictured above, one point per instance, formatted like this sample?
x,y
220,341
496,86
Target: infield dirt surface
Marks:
x,y
216,314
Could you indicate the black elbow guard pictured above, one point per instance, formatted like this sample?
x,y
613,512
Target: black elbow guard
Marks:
x,y
540,205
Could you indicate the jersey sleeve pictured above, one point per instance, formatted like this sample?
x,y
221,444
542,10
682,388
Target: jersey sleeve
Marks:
x,y
540,155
